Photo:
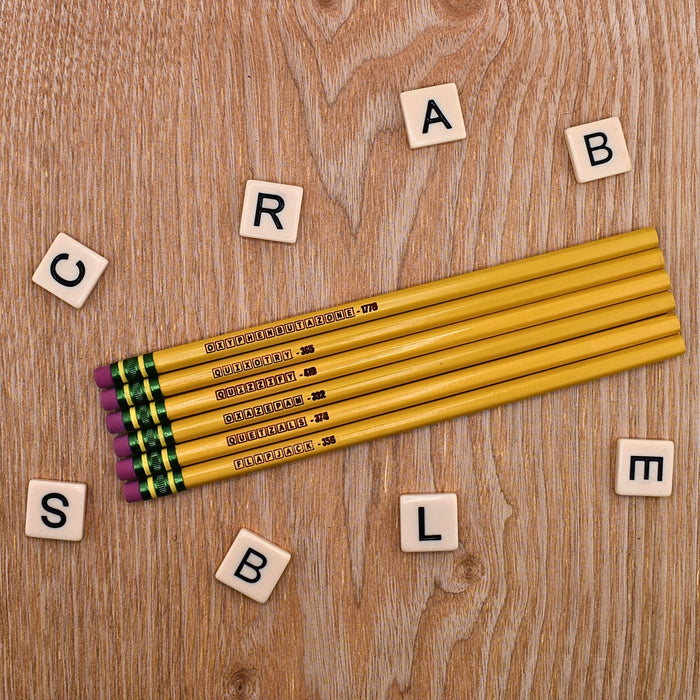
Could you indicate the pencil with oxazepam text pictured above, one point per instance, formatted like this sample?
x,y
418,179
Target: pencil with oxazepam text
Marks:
x,y
152,364
401,396
341,340
316,396
266,384
404,419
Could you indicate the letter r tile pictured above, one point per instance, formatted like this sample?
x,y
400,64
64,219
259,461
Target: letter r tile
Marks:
x,y
597,149
271,211
253,565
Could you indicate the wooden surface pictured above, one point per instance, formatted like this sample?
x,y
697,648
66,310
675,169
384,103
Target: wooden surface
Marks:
x,y
133,127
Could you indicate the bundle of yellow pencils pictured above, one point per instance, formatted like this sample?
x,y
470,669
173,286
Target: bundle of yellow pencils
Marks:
x,y
261,397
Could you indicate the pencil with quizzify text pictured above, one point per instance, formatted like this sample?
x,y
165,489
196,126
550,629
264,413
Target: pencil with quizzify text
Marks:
x,y
344,339
412,369
404,419
401,396
151,365
352,361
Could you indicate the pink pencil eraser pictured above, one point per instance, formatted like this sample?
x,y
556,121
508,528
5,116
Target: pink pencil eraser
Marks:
x,y
122,448
115,423
108,399
131,492
125,469
103,377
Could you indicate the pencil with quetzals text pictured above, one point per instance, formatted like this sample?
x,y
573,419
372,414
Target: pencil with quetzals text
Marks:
x,y
359,383
152,364
344,339
363,358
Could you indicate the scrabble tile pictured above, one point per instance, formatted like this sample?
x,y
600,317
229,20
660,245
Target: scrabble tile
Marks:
x,y
271,211
253,565
597,149
428,522
432,115
70,270
644,467
55,510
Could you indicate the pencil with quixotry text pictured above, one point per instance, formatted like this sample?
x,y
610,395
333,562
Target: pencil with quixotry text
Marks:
x,y
313,371
154,363
344,339
404,419
315,396
402,396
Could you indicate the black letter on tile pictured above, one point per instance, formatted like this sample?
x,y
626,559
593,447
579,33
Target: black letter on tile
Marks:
x,y
602,146
432,107
61,515
260,209
647,461
255,567
62,280
421,527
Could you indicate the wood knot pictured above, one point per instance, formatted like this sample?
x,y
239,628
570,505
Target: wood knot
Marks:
x,y
469,569
459,9
242,684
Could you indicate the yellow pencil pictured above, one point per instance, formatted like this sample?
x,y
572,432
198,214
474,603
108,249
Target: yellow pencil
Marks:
x,y
397,397
405,419
362,358
344,339
349,386
344,315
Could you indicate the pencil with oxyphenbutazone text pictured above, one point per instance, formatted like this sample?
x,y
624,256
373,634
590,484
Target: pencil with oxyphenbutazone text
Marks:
x,y
341,340
345,387
313,371
154,363
404,419
398,397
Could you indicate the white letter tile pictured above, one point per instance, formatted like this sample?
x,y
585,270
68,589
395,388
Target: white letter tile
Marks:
x,y
253,566
597,149
70,270
433,115
55,510
428,522
271,211
644,467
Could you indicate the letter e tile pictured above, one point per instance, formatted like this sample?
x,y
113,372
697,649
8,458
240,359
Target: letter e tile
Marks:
x,y
597,149
55,510
253,565
70,270
644,467
428,522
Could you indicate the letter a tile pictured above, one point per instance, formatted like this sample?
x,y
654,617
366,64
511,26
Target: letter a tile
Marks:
x,y
253,566
597,149
433,115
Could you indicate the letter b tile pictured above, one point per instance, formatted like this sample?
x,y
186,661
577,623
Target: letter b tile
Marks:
x,y
253,565
70,270
597,149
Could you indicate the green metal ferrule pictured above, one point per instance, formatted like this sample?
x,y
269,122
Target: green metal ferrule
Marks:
x,y
145,416
161,484
151,439
133,369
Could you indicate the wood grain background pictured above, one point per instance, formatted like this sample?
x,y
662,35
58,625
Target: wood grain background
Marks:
x,y
133,127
